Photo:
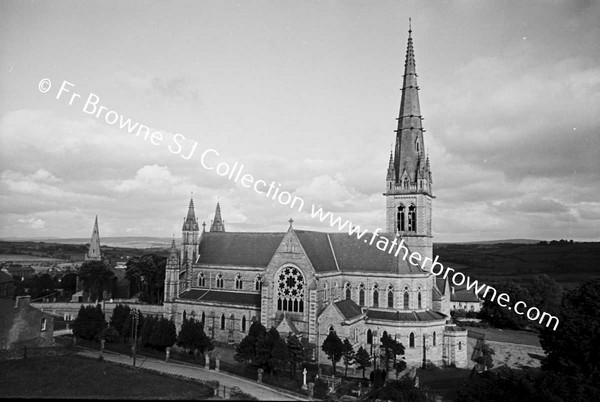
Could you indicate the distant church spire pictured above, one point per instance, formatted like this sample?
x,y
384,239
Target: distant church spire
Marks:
x,y
94,253
409,155
218,224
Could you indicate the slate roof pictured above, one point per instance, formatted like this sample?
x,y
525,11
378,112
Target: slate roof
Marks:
x,y
220,296
412,316
351,254
348,308
14,269
238,249
323,251
464,296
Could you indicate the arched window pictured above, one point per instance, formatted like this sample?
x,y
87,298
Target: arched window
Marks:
x,y
390,298
412,218
348,290
331,329
411,340
406,299
459,345
434,340
203,318
201,279
184,315
219,280
258,283
43,325
336,291
400,218
325,291
406,182
369,337
361,295
222,321
419,300
238,282
232,322
290,290
243,323
375,295
417,146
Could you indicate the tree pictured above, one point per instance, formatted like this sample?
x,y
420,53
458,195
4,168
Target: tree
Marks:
x,y
89,322
128,325
121,313
546,294
295,352
572,349
505,317
264,350
68,282
109,334
363,360
147,276
486,358
246,349
164,334
147,329
333,347
390,349
401,391
279,354
192,337
95,276
348,355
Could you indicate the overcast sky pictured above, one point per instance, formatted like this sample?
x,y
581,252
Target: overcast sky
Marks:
x,y
304,93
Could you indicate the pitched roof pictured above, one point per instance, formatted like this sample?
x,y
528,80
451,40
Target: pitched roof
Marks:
x,y
18,268
323,251
348,308
238,249
220,296
464,296
412,316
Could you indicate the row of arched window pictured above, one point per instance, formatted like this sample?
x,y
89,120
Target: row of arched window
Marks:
x,y
389,298
238,281
406,218
411,339
222,321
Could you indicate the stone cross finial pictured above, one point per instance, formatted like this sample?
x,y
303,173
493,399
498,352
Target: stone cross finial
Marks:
x,y
291,221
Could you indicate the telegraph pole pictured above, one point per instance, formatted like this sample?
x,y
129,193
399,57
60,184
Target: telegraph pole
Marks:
x,y
134,323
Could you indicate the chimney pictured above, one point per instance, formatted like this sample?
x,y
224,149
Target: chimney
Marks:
x,y
22,301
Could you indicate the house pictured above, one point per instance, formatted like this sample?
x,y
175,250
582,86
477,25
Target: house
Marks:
x,y
23,325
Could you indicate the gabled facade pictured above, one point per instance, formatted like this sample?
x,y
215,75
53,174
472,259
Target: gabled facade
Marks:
x,y
310,283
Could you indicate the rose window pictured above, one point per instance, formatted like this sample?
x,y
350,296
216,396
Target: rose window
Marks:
x,y
290,290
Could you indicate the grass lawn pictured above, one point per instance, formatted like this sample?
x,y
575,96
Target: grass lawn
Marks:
x,y
78,377
507,335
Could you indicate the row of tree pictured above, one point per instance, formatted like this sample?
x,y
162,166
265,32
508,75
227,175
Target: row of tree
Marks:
x,y
153,332
146,275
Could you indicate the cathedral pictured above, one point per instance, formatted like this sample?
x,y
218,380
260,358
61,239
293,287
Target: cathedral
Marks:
x,y
310,283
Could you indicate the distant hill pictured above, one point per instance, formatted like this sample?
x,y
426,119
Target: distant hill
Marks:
x,y
126,242
507,241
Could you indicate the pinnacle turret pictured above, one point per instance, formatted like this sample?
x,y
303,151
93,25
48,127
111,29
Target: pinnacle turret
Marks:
x,y
190,223
218,224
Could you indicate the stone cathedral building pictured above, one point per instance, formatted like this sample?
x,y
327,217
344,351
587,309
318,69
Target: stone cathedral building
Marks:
x,y
310,283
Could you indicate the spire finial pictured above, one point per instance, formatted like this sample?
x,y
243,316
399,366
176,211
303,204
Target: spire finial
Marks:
x,y
291,221
409,26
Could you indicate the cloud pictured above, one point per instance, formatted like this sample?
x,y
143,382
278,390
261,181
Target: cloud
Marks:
x,y
33,223
164,89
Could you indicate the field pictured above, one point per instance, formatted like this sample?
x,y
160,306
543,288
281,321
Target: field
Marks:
x,y
77,377
570,264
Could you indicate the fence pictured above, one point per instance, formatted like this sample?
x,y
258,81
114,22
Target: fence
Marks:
x,y
32,352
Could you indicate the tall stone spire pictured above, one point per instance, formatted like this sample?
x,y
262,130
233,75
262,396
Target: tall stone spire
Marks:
x,y
409,155
94,253
218,224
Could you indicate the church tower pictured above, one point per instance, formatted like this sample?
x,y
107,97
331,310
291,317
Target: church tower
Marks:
x,y
218,224
190,236
94,253
172,274
408,181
